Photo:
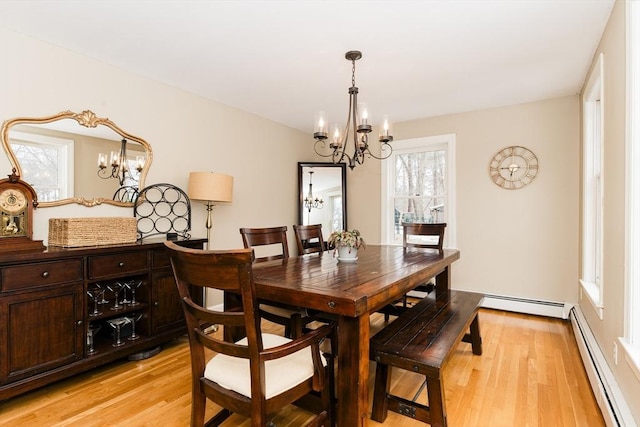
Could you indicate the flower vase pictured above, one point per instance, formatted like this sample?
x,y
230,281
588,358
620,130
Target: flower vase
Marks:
x,y
347,254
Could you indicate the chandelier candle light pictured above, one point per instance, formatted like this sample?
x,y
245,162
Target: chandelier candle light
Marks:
x,y
119,165
358,125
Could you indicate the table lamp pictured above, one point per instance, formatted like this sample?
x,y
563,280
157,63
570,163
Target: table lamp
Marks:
x,y
211,188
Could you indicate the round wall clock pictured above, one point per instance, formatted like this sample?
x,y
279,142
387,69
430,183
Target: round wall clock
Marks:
x,y
513,167
17,202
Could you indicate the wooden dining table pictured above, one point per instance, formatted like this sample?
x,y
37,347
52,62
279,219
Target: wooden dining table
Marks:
x,y
350,292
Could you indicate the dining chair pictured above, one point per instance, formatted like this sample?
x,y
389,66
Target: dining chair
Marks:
x,y
417,235
428,231
294,319
260,374
309,239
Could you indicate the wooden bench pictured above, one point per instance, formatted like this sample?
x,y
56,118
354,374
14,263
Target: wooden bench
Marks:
x,y
422,340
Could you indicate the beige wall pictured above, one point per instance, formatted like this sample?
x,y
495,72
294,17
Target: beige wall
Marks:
x,y
607,330
520,243
187,133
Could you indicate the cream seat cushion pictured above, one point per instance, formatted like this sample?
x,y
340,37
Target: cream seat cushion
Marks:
x,y
281,375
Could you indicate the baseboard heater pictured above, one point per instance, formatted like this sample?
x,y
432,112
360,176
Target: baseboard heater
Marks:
x,y
529,306
605,388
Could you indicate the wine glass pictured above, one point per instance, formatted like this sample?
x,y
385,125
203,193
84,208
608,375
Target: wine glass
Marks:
x,y
93,330
101,287
133,285
133,319
117,325
116,287
124,287
96,296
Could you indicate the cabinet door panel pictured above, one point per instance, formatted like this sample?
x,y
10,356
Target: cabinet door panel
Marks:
x,y
44,331
167,308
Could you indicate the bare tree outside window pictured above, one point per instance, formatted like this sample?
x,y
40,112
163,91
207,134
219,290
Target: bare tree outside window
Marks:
x,y
40,167
420,188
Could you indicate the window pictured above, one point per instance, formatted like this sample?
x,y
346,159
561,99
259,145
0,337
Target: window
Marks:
x,y
418,186
593,120
631,340
46,163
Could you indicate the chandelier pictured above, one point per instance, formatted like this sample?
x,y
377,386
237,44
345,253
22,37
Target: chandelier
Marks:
x,y
311,202
357,129
119,165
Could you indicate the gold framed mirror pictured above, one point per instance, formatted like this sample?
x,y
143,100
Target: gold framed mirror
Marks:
x,y
76,158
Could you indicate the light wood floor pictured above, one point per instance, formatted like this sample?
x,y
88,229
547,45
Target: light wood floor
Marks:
x,y
530,374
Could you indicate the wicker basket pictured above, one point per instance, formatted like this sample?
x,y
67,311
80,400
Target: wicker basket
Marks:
x,y
76,232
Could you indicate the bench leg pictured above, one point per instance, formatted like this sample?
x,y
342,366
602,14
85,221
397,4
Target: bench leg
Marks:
x,y
380,390
476,340
437,411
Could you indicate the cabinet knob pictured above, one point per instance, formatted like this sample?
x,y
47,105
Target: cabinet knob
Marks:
x,y
156,304
79,323
121,264
45,274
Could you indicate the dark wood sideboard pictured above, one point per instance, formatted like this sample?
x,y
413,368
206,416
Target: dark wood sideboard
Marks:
x,y
45,311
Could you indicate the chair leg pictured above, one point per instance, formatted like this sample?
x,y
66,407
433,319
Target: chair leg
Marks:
x,y
295,326
198,402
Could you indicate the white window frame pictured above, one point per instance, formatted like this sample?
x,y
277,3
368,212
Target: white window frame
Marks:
x,y
630,342
593,182
448,143
65,149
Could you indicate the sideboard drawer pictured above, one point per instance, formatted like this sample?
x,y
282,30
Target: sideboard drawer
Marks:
x,y
41,274
106,266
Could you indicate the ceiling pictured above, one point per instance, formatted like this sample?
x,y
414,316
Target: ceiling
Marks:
x,y
284,60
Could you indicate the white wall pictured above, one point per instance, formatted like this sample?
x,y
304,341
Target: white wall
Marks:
x,y
521,243
187,133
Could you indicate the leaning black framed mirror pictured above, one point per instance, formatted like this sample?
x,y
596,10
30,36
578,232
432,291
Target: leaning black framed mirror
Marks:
x,y
323,195
76,158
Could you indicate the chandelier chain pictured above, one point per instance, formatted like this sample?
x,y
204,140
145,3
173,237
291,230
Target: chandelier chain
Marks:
x,y
353,72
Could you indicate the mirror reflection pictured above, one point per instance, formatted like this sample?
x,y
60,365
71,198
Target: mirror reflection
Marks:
x,y
323,196
77,158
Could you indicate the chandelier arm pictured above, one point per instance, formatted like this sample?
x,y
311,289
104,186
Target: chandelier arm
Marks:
x,y
319,153
383,148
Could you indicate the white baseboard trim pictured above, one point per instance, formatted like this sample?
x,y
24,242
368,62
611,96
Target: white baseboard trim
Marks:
x,y
605,388
528,306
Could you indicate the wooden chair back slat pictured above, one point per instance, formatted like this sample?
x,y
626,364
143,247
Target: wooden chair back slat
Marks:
x,y
309,239
252,237
419,229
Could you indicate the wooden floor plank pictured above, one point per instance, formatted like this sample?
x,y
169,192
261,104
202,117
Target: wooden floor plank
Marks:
x,y
530,374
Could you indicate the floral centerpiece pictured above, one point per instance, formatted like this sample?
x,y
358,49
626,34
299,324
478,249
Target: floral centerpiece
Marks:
x,y
346,243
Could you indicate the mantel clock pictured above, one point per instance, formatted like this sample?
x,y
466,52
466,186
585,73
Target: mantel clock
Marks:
x,y
17,202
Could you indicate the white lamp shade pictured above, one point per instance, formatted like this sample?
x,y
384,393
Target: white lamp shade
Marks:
x,y
210,187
